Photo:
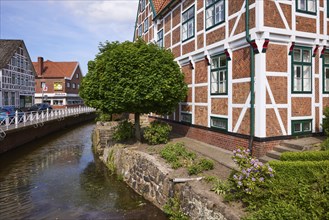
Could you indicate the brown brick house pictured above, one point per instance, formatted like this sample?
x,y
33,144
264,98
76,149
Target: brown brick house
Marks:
x,y
257,71
57,83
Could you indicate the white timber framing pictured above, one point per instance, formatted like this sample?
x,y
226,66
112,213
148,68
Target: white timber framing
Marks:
x,y
233,42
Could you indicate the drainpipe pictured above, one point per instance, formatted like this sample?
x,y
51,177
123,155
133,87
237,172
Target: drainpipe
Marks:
x,y
252,79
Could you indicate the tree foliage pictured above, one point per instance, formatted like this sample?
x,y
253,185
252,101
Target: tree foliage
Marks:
x,y
133,77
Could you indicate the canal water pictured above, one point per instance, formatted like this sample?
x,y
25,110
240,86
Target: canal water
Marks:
x,y
59,177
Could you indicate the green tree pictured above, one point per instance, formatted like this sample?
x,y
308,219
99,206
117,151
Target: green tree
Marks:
x,y
133,77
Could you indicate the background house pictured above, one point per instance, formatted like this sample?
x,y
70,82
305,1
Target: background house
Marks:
x,y
251,82
57,83
17,75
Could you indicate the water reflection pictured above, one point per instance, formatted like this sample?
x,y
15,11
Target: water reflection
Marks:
x,y
58,177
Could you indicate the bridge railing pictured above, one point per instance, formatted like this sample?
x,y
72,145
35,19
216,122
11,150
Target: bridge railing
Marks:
x,y
37,117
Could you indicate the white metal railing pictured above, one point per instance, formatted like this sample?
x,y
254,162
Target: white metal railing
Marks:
x,y
37,118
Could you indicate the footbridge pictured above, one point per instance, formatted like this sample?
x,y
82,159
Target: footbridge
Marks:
x,y
25,127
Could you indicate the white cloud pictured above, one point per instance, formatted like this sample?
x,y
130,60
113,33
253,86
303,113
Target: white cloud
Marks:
x,y
101,12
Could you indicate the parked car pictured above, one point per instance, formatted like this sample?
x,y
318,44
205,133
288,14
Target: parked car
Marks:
x,y
40,107
10,111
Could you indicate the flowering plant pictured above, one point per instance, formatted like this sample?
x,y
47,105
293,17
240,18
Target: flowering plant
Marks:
x,y
252,173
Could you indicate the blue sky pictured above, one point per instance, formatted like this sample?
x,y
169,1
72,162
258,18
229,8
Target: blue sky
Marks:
x,y
67,30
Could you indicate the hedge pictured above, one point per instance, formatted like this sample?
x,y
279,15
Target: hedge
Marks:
x,y
305,156
303,170
299,190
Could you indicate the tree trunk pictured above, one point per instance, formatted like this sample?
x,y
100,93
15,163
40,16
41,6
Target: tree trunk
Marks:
x,y
137,127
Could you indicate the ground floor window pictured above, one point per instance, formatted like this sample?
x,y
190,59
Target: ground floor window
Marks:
x,y
13,98
5,98
218,123
57,102
301,126
186,117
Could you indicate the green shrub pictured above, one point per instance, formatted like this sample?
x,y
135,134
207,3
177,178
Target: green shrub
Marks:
x,y
299,190
157,133
305,156
123,131
325,145
176,154
103,117
251,176
325,123
200,166
304,170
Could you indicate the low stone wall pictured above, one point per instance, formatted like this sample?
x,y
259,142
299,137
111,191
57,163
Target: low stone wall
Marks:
x,y
152,179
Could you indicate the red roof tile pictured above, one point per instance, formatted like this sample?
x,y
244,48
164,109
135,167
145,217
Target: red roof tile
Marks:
x,y
55,69
160,4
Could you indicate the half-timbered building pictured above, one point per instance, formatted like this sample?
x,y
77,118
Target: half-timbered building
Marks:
x,y
17,75
257,71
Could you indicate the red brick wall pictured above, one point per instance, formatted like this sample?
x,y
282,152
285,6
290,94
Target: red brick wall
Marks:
x,y
167,24
272,16
187,73
221,140
167,39
301,106
200,41
219,106
189,47
278,86
234,6
201,94
201,72
176,17
176,36
215,36
277,58
240,92
305,24
200,22
201,116
241,63
272,124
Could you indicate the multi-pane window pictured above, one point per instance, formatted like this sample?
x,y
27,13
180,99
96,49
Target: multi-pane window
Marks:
x,y
6,98
146,25
73,85
13,98
302,67
301,126
77,75
68,85
188,24
160,39
308,6
142,5
326,72
218,75
139,30
186,117
219,123
215,12
43,84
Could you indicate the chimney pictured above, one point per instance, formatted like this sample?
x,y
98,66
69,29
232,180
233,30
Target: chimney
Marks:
x,y
40,62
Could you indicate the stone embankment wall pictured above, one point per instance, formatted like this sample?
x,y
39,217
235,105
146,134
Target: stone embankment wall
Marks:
x,y
152,179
